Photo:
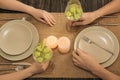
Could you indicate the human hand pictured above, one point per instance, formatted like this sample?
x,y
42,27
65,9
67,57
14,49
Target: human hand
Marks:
x,y
38,68
43,16
86,18
85,61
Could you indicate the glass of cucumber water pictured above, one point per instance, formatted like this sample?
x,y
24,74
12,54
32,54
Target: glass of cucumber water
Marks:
x,y
73,10
42,52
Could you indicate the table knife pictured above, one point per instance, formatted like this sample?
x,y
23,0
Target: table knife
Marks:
x,y
19,63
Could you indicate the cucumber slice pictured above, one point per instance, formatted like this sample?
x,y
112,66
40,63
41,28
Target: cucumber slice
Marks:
x,y
73,9
39,48
40,59
37,54
68,14
47,56
46,50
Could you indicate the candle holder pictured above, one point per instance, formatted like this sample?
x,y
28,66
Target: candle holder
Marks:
x,y
64,44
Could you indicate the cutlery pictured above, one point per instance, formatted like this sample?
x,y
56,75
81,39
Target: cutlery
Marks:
x,y
92,42
114,16
17,68
7,19
108,24
19,63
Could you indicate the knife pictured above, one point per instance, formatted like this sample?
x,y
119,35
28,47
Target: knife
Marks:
x,y
109,24
19,63
112,16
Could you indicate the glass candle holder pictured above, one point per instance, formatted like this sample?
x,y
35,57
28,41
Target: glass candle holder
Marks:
x,y
51,41
64,44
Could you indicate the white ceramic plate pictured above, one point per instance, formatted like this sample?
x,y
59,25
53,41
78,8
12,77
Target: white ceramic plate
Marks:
x,y
30,49
15,38
102,37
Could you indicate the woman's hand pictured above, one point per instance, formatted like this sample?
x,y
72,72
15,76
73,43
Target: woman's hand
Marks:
x,y
86,18
85,61
43,16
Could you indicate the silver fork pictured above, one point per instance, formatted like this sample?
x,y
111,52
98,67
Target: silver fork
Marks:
x,y
85,38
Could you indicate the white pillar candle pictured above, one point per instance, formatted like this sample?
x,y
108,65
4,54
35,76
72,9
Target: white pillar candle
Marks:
x,y
51,42
64,44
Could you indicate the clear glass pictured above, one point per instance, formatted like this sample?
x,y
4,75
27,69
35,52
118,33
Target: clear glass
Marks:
x,y
42,53
73,10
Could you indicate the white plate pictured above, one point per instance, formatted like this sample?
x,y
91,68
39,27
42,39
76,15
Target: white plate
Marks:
x,y
102,37
30,49
15,38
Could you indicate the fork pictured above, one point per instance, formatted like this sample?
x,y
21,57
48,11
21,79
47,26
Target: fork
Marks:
x,y
85,38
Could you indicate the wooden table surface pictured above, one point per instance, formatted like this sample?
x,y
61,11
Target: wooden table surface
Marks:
x,y
62,66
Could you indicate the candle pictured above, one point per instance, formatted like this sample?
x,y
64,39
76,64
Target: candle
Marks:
x,y
51,42
63,44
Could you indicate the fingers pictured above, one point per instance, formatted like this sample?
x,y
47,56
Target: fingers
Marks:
x,y
44,17
80,52
43,21
76,64
75,55
52,18
78,23
45,65
49,18
75,61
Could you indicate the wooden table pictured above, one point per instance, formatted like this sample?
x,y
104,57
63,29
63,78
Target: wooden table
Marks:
x,y
63,66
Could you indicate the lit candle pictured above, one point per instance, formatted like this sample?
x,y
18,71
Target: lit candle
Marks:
x,y
51,42
64,44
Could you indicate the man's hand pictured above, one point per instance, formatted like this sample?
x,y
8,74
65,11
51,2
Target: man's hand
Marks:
x,y
86,18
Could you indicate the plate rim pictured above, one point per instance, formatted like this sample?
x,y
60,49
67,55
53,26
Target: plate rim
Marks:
x,y
111,60
31,48
5,27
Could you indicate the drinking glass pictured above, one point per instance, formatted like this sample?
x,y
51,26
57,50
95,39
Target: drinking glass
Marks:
x,y
73,13
42,53
73,10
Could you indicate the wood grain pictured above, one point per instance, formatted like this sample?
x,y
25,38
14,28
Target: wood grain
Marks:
x,y
63,66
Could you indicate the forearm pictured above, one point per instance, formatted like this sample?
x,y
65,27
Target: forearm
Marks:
x,y
105,75
15,5
17,75
111,7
